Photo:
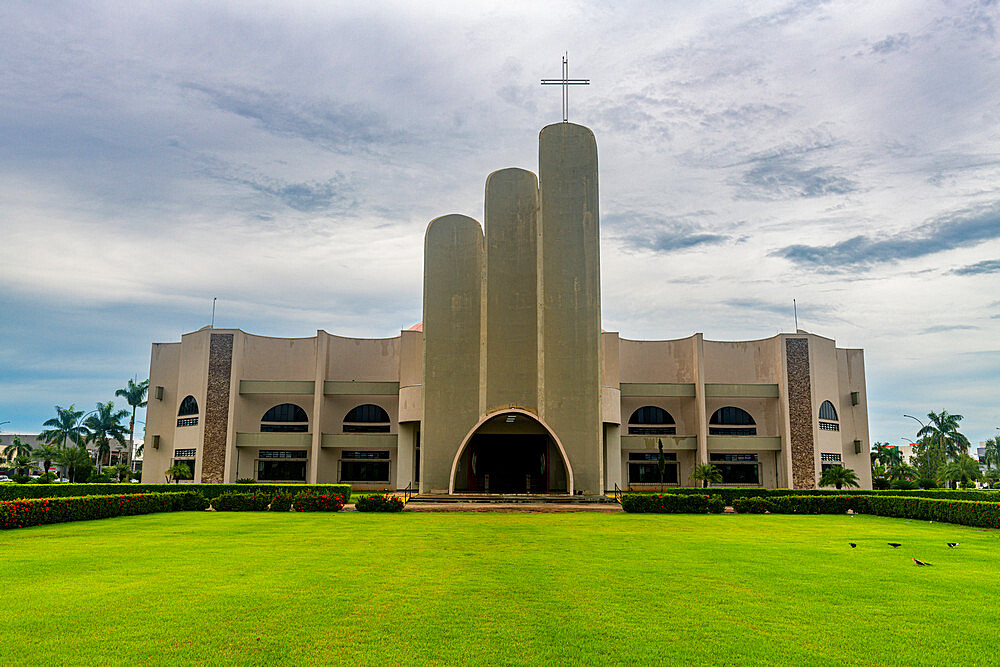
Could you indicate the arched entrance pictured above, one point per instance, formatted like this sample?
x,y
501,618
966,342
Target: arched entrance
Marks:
x,y
511,451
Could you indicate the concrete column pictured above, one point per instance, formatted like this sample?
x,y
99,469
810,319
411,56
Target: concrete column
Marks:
x,y
405,450
322,348
453,276
511,290
571,297
699,397
613,456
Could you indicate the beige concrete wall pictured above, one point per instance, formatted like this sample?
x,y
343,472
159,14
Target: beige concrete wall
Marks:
x,y
657,360
854,418
266,358
363,359
570,363
453,276
511,306
411,375
753,361
161,415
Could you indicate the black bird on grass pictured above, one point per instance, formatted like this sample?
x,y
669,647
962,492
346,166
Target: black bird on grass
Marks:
x,y
952,545
894,545
853,545
920,562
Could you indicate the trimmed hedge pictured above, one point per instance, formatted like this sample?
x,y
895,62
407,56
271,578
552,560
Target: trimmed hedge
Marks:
x,y
730,494
379,503
210,491
755,505
242,502
37,512
671,504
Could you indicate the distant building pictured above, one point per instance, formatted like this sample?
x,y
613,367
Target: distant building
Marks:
x,y
509,383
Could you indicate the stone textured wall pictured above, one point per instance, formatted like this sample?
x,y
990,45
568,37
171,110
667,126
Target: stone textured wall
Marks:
x,y
220,366
800,413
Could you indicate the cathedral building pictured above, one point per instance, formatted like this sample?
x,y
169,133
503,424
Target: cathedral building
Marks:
x,y
509,384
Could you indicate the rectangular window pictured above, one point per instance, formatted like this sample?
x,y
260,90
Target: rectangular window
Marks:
x,y
732,457
364,471
366,428
829,426
281,471
189,463
185,453
281,454
284,428
739,473
188,421
829,457
649,473
719,430
652,430
823,466
651,456
364,454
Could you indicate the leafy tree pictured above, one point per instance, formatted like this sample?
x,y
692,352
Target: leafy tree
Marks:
x,y
962,470
77,462
15,449
135,395
64,428
104,426
839,476
705,473
943,434
992,477
45,453
121,472
927,458
177,472
900,470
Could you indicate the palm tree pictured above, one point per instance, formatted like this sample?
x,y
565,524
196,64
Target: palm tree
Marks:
x,y
22,463
135,395
15,449
64,428
104,426
177,472
901,470
45,453
705,473
992,477
943,433
76,460
991,456
963,469
839,476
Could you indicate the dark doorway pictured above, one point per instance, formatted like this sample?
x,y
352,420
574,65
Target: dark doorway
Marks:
x,y
508,464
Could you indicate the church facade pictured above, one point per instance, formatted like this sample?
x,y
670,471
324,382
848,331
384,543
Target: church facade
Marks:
x,y
509,384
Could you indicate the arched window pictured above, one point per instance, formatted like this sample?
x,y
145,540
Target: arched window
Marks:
x,y
731,421
189,406
828,412
367,418
284,418
651,420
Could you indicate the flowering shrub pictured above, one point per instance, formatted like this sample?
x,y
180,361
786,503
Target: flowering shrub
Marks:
x,y
716,505
379,503
281,502
210,491
313,501
36,512
753,505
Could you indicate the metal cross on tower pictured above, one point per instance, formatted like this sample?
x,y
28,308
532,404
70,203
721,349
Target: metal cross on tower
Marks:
x,y
565,82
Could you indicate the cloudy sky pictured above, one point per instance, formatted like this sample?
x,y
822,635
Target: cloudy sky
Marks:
x,y
286,159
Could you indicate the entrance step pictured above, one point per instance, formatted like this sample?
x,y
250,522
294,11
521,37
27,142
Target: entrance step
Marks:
x,y
508,499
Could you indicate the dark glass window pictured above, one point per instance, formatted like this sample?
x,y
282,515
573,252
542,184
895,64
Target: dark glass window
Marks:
x,y
365,454
364,471
739,473
281,471
732,457
823,466
189,406
189,462
286,412
649,473
650,414
281,454
827,411
367,418
651,456
731,421
730,416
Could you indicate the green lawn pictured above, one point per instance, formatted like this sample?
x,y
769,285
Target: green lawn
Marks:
x,y
498,588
